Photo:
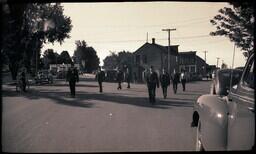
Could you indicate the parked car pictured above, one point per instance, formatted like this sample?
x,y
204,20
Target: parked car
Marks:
x,y
61,74
227,122
110,75
221,83
44,76
195,77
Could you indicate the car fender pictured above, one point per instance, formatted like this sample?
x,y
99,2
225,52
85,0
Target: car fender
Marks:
x,y
213,116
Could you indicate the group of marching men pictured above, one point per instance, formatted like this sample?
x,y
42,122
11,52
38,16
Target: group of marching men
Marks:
x,y
152,81
151,77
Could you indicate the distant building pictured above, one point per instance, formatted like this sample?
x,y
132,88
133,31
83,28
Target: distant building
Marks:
x,y
62,67
152,54
211,68
192,64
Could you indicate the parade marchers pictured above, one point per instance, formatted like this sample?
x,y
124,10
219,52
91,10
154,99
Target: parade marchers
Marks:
x,y
151,78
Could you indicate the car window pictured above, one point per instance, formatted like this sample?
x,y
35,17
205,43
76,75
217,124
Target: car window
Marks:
x,y
236,76
248,79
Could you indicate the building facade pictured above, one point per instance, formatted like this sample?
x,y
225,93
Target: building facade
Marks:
x,y
194,66
152,54
62,67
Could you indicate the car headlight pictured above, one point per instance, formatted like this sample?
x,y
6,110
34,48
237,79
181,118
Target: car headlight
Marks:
x,y
219,115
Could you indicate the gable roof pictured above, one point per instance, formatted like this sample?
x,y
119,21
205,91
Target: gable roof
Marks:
x,y
191,53
173,48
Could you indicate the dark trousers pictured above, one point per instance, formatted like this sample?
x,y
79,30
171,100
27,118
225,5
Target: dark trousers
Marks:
x,y
152,92
72,86
119,85
175,86
100,84
164,88
128,82
183,82
23,84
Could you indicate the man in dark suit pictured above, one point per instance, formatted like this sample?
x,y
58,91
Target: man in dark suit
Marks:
x,y
72,78
119,79
100,76
165,82
23,79
175,81
152,83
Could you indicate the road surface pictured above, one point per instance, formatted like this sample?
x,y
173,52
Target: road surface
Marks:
x,y
47,119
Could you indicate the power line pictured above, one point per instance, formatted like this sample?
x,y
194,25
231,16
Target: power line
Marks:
x,y
143,40
150,26
156,25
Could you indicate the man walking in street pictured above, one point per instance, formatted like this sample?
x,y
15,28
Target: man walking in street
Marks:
x,y
72,78
152,83
128,77
175,80
23,79
119,79
165,82
100,76
183,79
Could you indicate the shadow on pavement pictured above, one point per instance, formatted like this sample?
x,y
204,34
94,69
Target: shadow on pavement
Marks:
x,y
82,99
182,103
66,85
58,97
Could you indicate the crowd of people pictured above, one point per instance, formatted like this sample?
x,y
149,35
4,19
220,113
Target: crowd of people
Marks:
x,y
152,79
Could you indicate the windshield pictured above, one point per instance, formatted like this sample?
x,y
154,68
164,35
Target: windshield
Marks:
x,y
225,77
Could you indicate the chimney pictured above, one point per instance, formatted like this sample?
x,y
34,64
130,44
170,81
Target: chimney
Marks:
x,y
153,40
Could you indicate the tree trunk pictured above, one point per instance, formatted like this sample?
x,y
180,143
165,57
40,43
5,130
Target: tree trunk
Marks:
x,y
14,70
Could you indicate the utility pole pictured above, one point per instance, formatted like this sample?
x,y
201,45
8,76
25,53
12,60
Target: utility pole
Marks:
x,y
205,61
147,37
205,55
217,61
169,44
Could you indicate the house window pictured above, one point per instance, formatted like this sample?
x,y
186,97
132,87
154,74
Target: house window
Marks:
x,y
187,68
193,69
145,59
137,59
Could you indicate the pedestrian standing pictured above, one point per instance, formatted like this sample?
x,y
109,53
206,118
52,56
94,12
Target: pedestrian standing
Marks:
x,y
165,82
175,81
119,79
72,78
152,83
128,77
23,79
100,76
183,79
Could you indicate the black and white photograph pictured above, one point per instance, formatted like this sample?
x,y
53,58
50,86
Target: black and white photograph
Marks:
x,y
127,76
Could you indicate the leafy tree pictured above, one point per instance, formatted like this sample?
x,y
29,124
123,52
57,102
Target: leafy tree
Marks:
x,y
64,58
27,28
49,57
111,61
86,57
121,60
11,29
237,24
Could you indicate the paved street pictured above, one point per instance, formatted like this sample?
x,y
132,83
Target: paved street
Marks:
x,y
47,120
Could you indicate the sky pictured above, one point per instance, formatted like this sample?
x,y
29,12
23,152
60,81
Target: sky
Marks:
x,y
118,26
